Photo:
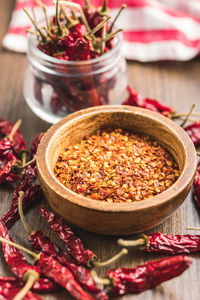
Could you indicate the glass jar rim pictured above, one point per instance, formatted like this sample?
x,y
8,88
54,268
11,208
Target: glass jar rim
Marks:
x,y
38,53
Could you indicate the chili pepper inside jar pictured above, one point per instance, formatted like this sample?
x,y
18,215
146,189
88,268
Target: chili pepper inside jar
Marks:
x,y
54,88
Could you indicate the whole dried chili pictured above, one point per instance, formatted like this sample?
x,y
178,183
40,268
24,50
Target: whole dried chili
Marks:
x,y
31,196
144,277
6,169
163,243
196,186
74,245
42,286
82,256
193,130
42,243
32,192
19,143
135,99
19,265
8,291
52,269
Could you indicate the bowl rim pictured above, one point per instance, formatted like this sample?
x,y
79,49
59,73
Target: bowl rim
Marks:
x,y
177,188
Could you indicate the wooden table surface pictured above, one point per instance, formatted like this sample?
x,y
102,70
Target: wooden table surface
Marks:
x,y
174,83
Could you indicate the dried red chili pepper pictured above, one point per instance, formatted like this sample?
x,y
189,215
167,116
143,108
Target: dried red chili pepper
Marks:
x,y
74,244
143,277
6,172
193,130
6,147
147,276
19,143
135,99
42,286
51,268
19,265
61,274
163,243
42,243
82,256
32,196
196,186
8,291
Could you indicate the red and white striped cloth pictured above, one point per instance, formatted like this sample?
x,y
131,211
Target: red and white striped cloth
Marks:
x,y
153,29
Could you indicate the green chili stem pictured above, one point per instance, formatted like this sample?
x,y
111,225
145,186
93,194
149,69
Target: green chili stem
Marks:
x,y
98,280
45,13
111,260
27,164
188,115
32,278
103,37
58,19
20,210
125,243
99,26
36,26
87,4
104,9
177,115
117,16
14,129
192,228
31,253
110,36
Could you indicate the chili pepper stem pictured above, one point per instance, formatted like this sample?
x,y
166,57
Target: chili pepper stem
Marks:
x,y
188,115
103,37
111,260
27,164
124,243
104,9
98,280
20,209
14,129
58,19
110,36
45,13
117,16
87,4
44,39
32,278
17,246
178,115
99,26
198,153
24,157
192,228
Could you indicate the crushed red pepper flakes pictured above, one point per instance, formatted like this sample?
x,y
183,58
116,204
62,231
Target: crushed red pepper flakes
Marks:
x,y
116,166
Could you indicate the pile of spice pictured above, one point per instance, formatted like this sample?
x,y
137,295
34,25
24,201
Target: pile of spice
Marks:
x,y
116,166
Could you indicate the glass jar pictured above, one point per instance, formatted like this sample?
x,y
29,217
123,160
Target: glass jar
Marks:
x,y
54,88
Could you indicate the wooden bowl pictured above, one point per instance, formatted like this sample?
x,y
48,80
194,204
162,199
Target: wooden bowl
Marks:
x,y
115,218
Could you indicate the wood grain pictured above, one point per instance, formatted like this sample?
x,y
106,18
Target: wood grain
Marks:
x,y
174,83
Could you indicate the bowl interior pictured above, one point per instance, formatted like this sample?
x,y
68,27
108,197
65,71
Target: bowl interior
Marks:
x,y
75,130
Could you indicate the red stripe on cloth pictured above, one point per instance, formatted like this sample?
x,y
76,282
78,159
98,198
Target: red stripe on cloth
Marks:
x,y
151,36
18,30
